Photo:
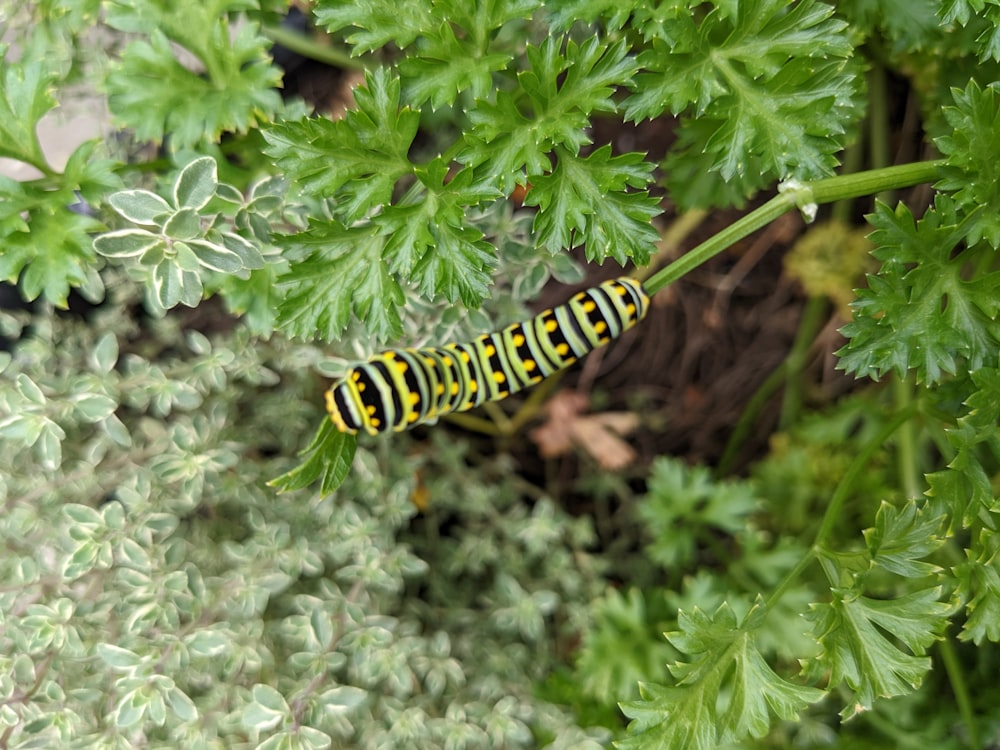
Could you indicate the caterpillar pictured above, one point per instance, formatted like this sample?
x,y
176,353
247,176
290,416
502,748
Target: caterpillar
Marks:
x,y
401,388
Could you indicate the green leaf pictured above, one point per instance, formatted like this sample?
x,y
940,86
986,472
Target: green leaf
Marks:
x,y
117,657
216,257
172,284
922,311
725,693
378,23
184,224
972,173
140,206
196,184
54,254
328,458
683,504
151,92
769,84
901,537
126,243
966,485
359,158
25,95
267,710
979,579
445,66
343,273
507,142
600,202
856,651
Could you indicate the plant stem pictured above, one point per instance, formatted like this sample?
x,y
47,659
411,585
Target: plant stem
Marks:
x,y
857,466
830,190
961,690
809,324
306,47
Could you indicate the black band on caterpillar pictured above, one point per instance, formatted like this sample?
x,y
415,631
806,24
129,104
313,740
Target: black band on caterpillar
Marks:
x,y
401,388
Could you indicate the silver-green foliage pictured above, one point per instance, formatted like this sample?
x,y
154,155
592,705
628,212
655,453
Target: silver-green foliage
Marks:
x,y
157,593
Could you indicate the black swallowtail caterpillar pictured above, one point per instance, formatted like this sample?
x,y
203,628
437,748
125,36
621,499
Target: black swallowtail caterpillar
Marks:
x,y
401,388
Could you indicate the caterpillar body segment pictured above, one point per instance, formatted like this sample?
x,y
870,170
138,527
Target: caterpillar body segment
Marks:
x,y
400,388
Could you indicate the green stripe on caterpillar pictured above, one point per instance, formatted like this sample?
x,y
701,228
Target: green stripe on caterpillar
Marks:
x,y
401,388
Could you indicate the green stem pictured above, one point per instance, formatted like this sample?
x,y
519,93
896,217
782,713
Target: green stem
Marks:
x,y
830,190
906,442
306,47
960,689
858,465
812,318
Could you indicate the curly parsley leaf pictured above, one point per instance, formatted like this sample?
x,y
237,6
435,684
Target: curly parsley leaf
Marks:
x,y
25,95
920,311
972,174
357,159
150,91
966,484
327,458
599,201
377,23
852,630
771,85
342,273
903,536
510,142
724,693
684,503
979,580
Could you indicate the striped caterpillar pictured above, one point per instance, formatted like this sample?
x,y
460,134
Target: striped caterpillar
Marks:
x,y
401,388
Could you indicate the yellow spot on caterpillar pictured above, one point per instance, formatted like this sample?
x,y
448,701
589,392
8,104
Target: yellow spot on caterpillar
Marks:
x,y
402,367
429,362
589,306
355,375
454,389
630,309
622,291
562,349
374,423
600,326
412,418
530,365
448,361
499,377
490,350
473,386
414,398
518,339
551,325
440,388
465,356
361,387
370,409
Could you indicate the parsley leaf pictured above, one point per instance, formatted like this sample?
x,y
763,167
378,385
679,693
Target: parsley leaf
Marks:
x,y
357,159
852,630
724,693
966,485
343,272
587,201
25,95
972,173
902,536
506,143
684,503
979,579
921,312
771,85
170,100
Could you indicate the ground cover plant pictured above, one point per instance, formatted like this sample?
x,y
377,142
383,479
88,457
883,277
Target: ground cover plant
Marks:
x,y
192,555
